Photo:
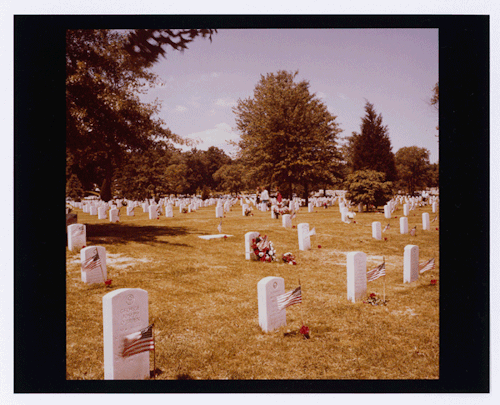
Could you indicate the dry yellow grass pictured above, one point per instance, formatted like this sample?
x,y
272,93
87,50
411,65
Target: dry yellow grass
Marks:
x,y
203,298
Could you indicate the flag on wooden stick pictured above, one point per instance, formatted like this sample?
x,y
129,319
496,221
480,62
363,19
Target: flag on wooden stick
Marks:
x,y
92,262
386,227
375,273
435,218
289,298
219,227
139,342
427,266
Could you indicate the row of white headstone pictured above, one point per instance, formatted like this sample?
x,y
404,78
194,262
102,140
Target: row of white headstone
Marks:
x,y
269,288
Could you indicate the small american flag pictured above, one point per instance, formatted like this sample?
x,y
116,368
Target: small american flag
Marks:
x,y
294,214
377,272
289,298
413,231
386,227
139,342
436,217
427,266
312,232
92,262
219,227
158,210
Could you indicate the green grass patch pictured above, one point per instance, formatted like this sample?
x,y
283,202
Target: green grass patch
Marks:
x,y
203,298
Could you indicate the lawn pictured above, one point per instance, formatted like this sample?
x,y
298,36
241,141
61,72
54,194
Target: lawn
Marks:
x,y
203,297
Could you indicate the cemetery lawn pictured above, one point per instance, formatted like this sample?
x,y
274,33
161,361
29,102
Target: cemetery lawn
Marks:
x,y
203,297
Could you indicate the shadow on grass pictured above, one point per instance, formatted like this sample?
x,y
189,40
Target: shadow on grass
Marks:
x,y
112,234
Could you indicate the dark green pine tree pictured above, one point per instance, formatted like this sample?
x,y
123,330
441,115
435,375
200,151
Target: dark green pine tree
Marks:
x,y
371,149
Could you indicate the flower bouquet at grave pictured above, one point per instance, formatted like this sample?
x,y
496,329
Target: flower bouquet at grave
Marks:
x,y
248,211
374,300
184,210
262,249
288,258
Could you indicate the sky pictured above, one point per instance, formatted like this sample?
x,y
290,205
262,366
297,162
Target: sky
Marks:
x,y
394,69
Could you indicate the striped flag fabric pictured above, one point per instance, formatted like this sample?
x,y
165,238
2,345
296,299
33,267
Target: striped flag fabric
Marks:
x,y
219,227
427,266
386,227
92,262
139,342
289,298
312,232
413,231
375,273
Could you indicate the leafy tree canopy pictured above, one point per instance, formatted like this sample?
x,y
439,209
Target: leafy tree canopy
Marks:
x,y
287,134
413,167
368,187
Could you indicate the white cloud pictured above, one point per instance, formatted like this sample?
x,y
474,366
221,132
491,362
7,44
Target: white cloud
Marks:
x,y
217,137
180,108
225,102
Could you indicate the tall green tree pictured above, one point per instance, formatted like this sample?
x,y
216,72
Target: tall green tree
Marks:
x,y
368,187
413,167
287,134
105,73
230,177
371,149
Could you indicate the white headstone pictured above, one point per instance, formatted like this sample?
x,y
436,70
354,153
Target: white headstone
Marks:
x,y
153,214
387,211
93,210
403,225
130,211
410,271
77,236
310,207
287,221
304,238
244,208
169,211
145,207
270,317
406,210
360,207
377,230
94,272
125,311
113,215
101,213
356,275
426,225
434,207
219,212
273,215
248,243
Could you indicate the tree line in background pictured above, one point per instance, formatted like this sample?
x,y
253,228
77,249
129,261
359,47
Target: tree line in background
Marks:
x,y
288,137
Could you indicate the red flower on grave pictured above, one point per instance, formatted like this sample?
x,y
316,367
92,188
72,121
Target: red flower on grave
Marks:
x,y
354,221
373,295
385,239
251,215
395,217
84,247
304,330
319,246
225,236
108,282
437,229
293,226
433,282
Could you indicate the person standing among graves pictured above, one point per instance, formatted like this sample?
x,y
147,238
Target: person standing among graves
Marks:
x,y
264,196
279,198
